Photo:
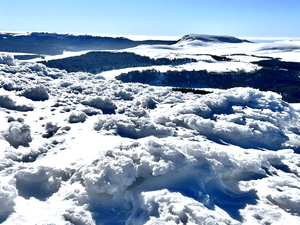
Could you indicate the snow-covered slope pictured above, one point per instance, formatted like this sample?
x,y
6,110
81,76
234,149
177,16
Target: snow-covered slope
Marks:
x,y
78,149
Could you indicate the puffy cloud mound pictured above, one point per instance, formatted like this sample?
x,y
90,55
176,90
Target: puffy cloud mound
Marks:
x,y
251,135
103,103
193,174
7,195
18,134
38,183
244,117
7,102
7,84
77,117
163,206
132,127
51,129
36,93
8,60
145,101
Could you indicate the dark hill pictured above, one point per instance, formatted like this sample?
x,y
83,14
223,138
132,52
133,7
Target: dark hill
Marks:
x,y
54,43
98,61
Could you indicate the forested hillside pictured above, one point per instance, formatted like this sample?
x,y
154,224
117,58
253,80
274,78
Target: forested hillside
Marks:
x,y
281,78
95,62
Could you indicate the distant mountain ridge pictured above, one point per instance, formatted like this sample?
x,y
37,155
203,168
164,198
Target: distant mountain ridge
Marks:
x,y
212,38
55,43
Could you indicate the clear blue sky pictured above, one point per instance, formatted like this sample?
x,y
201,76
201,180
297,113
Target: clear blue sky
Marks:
x,y
240,18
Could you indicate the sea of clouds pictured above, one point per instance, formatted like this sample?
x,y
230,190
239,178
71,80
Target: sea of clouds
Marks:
x,y
76,148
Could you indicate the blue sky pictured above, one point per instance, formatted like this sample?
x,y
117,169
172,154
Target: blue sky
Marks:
x,y
240,18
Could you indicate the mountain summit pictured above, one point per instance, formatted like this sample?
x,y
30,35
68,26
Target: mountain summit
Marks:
x,y
211,38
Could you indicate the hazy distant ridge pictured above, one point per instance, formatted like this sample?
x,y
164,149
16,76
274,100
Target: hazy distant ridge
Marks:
x,y
54,43
212,38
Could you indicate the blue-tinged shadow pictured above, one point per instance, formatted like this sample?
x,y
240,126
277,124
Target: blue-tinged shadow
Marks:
x,y
228,200
36,189
4,216
107,210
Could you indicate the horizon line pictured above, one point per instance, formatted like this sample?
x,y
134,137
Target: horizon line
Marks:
x,y
156,37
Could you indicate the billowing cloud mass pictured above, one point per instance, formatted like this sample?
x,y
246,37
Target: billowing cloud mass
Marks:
x,y
80,149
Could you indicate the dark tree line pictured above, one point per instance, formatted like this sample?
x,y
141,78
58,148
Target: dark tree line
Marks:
x,y
282,81
276,63
95,62
191,90
184,78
